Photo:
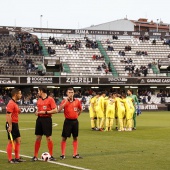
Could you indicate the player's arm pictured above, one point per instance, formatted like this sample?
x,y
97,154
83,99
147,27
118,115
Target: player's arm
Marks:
x,y
62,105
79,108
136,100
9,121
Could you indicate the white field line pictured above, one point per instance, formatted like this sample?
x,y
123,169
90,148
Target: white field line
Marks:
x,y
54,124
53,162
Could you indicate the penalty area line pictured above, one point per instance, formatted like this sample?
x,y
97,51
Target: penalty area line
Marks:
x,y
53,162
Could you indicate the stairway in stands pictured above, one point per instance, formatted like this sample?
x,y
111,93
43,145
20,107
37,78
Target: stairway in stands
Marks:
x,y
107,59
44,49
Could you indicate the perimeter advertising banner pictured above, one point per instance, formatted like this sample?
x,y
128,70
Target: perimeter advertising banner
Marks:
x,y
133,81
39,80
78,80
9,80
81,31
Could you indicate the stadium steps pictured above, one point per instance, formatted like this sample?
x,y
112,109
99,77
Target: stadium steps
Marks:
x,y
66,68
155,69
107,59
44,50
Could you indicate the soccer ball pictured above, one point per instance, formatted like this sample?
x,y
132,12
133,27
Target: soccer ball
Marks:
x,y
45,156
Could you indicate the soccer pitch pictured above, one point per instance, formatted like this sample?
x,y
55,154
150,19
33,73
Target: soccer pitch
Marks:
x,y
147,148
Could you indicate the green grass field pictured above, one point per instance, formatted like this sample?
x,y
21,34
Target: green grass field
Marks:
x,y
147,148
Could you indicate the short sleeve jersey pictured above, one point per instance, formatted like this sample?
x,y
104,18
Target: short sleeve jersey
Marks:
x,y
135,99
71,109
46,104
13,108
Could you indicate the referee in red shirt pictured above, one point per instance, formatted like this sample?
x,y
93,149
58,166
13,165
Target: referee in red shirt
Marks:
x,y
46,106
12,126
72,109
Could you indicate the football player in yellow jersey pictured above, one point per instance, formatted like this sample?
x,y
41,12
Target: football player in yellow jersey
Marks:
x,y
110,112
129,110
116,117
100,111
120,112
92,111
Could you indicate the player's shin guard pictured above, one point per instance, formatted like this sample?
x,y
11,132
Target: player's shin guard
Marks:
x,y
125,123
17,150
134,119
111,124
50,147
102,122
107,124
121,125
92,123
36,147
9,151
63,147
75,147
98,122
130,123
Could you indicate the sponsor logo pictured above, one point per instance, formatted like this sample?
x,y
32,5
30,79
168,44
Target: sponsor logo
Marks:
x,y
142,81
27,29
153,80
135,33
117,79
39,80
125,33
7,81
28,109
148,107
156,33
81,32
146,33
85,80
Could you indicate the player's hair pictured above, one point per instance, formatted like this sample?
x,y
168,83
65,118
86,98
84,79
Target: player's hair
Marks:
x,y
15,91
43,89
123,95
103,92
131,90
70,88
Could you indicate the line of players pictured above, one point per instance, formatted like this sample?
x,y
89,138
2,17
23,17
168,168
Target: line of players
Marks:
x,y
121,109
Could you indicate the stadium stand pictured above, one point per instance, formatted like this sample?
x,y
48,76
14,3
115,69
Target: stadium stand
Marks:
x,y
79,62
20,54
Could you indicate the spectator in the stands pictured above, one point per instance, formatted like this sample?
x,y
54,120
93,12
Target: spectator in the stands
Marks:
x,y
99,68
144,100
121,53
114,37
106,70
108,41
130,61
94,57
149,65
154,42
104,66
141,38
145,71
128,48
110,48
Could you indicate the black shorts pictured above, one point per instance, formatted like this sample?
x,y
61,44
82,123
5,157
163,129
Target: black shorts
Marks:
x,y
43,126
70,127
15,131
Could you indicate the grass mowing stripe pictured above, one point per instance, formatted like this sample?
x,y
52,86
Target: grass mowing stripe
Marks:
x,y
58,163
